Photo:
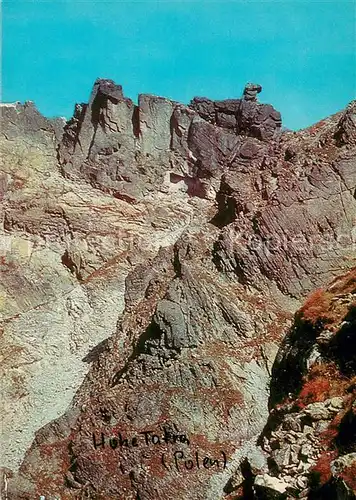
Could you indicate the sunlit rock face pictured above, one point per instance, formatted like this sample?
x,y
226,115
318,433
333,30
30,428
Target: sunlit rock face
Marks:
x,y
152,257
127,150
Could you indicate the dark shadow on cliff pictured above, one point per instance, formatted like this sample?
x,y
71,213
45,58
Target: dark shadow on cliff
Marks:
x,y
151,334
291,362
342,348
94,354
333,490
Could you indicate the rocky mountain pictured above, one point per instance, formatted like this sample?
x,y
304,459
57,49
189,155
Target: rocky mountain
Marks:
x,y
155,258
310,435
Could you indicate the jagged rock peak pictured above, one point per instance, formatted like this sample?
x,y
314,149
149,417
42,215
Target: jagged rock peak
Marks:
x,y
251,90
243,116
107,88
122,147
346,128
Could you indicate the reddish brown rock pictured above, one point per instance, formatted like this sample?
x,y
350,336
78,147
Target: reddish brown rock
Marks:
x,y
311,431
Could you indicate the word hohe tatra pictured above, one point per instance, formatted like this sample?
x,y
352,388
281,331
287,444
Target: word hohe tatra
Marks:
x,y
146,438
178,460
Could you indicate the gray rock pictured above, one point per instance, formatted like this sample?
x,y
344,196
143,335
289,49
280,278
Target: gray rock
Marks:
x,y
24,120
205,108
306,451
282,456
273,483
292,422
317,411
346,129
244,116
251,90
338,465
302,482
155,115
258,120
336,403
170,319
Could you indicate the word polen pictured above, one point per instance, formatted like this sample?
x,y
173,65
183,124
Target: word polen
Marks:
x,y
181,462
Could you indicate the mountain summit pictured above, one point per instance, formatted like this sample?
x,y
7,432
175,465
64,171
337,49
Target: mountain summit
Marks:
x,y
157,338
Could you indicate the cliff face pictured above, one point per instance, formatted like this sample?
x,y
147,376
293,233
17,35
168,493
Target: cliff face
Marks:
x,y
310,436
153,256
129,150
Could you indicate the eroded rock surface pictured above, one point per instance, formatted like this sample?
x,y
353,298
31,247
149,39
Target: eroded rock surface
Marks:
x,y
246,116
310,436
153,256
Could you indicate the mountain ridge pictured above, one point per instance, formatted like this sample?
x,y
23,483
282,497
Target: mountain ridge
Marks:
x,y
180,240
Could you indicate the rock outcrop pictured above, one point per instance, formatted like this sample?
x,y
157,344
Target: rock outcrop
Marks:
x,y
245,116
129,150
310,436
153,257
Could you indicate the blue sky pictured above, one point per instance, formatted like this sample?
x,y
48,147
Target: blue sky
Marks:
x,y
302,53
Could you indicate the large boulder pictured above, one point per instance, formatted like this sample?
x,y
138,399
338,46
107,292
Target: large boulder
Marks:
x,y
244,116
